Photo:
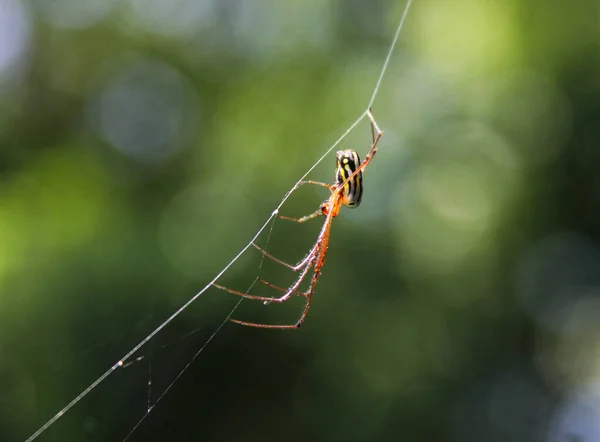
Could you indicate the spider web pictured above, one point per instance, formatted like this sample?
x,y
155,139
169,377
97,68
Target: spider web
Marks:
x,y
129,358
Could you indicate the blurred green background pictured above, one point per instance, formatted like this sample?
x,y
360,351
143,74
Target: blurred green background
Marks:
x,y
144,142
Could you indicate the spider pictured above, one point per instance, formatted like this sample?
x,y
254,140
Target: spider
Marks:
x,y
347,190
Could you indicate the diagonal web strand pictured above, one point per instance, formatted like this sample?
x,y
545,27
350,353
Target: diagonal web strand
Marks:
x,y
389,54
121,362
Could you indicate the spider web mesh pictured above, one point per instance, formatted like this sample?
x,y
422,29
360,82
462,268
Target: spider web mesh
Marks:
x,y
143,352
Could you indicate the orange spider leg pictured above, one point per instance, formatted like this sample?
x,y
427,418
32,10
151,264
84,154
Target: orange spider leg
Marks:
x,y
318,183
276,287
318,212
295,268
285,296
260,298
317,260
335,206
304,218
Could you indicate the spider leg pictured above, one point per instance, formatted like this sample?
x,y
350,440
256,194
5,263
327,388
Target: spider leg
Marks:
x,y
374,126
317,212
323,243
372,130
283,263
318,255
288,292
281,289
376,133
308,295
318,183
331,187
244,295
294,287
304,218
292,290
257,325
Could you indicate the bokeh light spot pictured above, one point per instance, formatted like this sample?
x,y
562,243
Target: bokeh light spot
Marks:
x,y
466,34
146,111
74,14
577,419
14,37
558,282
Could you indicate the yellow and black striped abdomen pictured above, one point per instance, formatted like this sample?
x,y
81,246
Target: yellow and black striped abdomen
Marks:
x,y
347,163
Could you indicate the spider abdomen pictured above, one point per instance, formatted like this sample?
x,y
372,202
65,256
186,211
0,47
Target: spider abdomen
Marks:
x,y
347,163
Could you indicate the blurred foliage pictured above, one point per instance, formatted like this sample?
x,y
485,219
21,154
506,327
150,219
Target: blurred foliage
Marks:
x,y
143,143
